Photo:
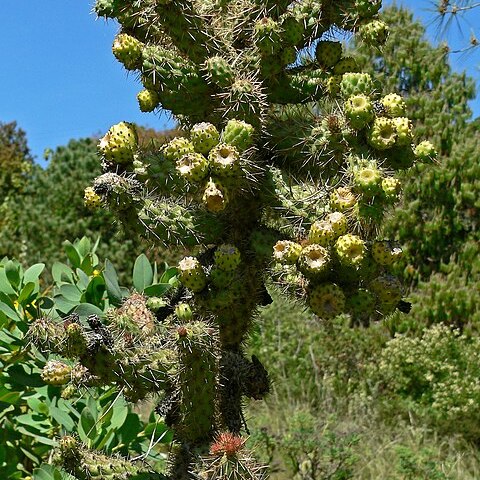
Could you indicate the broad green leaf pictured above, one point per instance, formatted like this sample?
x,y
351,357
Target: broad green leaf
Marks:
x,y
86,427
97,243
37,405
169,275
5,285
95,291
39,438
21,374
27,290
86,265
83,279
72,254
45,472
83,246
62,418
142,273
45,303
12,269
70,292
33,273
92,406
130,429
111,281
9,312
63,305
86,309
157,290
36,422
9,397
120,412
28,454
105,436
62,273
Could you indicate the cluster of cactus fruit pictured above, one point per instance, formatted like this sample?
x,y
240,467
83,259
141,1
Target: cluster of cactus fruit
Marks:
x,y
283,174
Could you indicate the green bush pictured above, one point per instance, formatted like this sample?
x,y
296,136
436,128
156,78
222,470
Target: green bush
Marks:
x,y
33,414
434,377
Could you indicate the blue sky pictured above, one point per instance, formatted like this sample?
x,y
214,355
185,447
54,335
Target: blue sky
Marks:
x,y
59,79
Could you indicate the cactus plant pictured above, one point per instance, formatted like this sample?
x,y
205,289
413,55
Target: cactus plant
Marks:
x,y
280,148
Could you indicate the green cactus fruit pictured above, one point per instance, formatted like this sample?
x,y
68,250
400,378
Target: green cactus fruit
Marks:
x,y
128,50
47,335
184,312
105,8
392,188
359,111
361,304
321,232
155,303
356,84
382,134
75,341
215,196
220,278
69,447
292,30
314,261
119,143
134,315
425,152
69,391
350,250
267,35
403,128
374,33
333,85
338,221
327,300
204,137
386,252
148,100
191,274
286,252
224,161
345,65
91,200
387,288
342,198
56,373
227,257
394,105
328,53
193,167
367,179
367,8
219,71
238,134
178,147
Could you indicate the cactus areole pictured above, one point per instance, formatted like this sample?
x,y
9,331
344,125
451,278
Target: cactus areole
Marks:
x,y
282,174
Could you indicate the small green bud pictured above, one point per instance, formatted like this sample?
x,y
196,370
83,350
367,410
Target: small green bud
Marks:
x,y
184,312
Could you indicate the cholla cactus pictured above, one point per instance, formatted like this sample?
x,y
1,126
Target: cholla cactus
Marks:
x,y
285,169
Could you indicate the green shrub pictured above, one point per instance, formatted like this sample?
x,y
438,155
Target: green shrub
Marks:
x,y
34,414
434,377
